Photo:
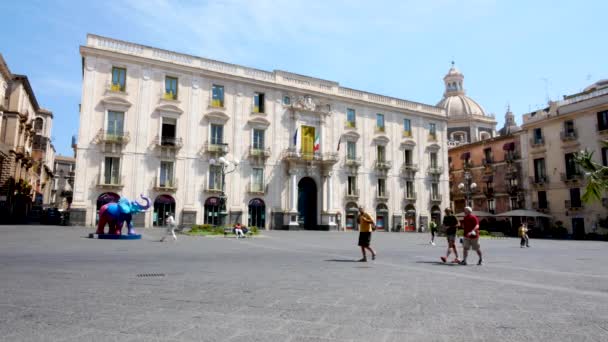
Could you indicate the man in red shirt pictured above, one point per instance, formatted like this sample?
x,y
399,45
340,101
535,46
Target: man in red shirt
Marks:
x,y
471,235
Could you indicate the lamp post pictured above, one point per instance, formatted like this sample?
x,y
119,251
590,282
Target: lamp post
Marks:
x,y
224,165
467,188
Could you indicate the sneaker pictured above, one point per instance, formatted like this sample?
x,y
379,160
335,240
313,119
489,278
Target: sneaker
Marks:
x,y
444,259
480,262
463,262
456,261
374,257
362,260
432,243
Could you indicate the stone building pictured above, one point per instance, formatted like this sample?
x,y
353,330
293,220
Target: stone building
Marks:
x,y
550,138
25,172
467,120
63,182
157,122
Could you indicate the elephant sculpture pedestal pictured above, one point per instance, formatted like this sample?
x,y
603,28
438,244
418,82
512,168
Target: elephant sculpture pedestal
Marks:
x,y
115,215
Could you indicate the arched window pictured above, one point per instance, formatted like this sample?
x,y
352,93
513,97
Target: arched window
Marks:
x,y
38,125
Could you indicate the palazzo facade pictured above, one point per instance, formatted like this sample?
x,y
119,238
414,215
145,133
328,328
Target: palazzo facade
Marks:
x,y
218,143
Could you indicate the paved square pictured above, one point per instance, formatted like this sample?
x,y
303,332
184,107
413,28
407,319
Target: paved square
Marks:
x,y
57,285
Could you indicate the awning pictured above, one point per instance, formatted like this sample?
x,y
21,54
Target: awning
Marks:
x,y
212,201
510,146
164,199
465,156
256,202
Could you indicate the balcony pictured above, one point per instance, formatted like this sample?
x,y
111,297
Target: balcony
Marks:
x,y
383,165
169,142
380,129
573,205
111,182
217,148
543,207
467,165
572,177
382,196
410,196
170,96
511,157
213,188
489,192
350,124
602,130
568,135
537,142
351,195
409,170
408,134
487,161
432,137
256,189
260,152
112,137
539,181
291,154
436,198
435,170
512,189
352,161
161,184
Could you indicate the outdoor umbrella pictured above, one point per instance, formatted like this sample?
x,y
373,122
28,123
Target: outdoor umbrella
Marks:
x,y
477,213
523,213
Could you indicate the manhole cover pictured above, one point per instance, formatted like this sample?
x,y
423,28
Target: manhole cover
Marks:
x,y
149,275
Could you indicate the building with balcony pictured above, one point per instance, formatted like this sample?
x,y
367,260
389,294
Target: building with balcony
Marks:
x,y
551,136
310,150
495,166
63,182
26,154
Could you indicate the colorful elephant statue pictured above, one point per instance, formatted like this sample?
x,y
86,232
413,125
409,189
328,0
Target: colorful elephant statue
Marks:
x,y
115,214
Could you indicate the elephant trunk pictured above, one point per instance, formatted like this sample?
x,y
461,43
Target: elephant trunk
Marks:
x,y
147,206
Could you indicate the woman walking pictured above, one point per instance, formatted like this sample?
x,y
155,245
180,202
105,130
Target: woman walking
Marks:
x,y
365,234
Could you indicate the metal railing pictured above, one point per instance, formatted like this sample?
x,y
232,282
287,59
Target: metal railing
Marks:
x,y
436,197
572,205
568,135
221,148
113,137
165,184
383,164
255,188
352,161
259,151
170,142
537,142
352,194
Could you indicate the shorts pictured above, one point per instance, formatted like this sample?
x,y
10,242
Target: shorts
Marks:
x,y
470,243
365,238
451,238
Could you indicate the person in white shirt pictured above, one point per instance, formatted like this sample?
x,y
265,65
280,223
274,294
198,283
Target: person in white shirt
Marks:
x,y
170,227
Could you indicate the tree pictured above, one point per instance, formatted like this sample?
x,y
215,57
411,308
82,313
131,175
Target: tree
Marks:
x,y
595,174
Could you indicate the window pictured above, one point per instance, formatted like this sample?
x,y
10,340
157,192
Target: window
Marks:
x,y
432,131
381,153
409,189
352,185
168,131
488,154
542,200
575,198
602,120
166,174
539,170
379,122
569,128
170,88
491,206
257,180
115,124
407,157
217,96
112,170
350,118
215,177
435,191
286,100
258,103
433,160
258,139
407,128
38,125
571,167
217,134
381,187
605,156
538,136
514,203
351,150
119,77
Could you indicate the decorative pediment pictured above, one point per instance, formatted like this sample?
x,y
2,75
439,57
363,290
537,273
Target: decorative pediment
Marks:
x,y
433,147
381,139
351,136
115,101
306,103
169,108
217,116
408,144
258,122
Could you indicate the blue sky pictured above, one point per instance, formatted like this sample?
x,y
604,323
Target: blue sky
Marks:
x,y
516,52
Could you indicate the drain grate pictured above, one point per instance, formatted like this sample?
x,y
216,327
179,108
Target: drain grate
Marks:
x,y
148,275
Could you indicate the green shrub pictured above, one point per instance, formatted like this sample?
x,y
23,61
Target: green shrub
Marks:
x,y
460,232
254,230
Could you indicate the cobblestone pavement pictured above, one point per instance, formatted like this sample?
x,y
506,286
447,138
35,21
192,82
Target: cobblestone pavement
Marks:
x,y
57,285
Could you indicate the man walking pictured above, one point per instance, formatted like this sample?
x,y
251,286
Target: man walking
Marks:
x,y
471,236
365,233
170,228
433,228
450,222
523,234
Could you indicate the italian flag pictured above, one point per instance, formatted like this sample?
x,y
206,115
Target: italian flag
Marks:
x,y
317,143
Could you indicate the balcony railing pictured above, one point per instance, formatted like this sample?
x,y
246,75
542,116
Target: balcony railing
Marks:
x,y
219,148
256,189
571,177
292,154
352,161
259,151
539,180
382,196
511,157
112,182
169,142
116,87
487,161
213,188
407,134
435,170
353,194
436,198
537,142
512,189
432,137
467,164
169,96
568,135
409,168
573,205
383,164
350,124
380,129
164,184
113,137
541,206
410,196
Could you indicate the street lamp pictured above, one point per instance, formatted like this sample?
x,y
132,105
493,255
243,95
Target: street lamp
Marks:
x,y
467,188
224,164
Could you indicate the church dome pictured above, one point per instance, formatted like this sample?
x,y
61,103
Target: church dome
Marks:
x,y
460,105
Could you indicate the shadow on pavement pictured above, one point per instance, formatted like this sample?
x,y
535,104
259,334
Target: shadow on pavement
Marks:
x,y
341,260
437,263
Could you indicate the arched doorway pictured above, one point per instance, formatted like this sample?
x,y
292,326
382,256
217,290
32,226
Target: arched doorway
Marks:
x,y
257,213
103,199
212,211
410,218
436,215
351,216
163,204
307,203
381,216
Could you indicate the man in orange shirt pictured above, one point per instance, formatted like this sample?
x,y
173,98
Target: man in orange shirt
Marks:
x,y
365,233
